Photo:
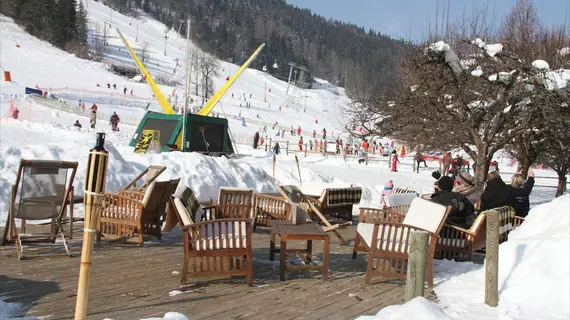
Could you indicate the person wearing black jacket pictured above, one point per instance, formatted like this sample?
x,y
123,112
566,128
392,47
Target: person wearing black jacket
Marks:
x,y
462,212
520,190
497,193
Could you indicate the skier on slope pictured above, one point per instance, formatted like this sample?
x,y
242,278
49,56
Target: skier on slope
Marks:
x,y
93,119
114,121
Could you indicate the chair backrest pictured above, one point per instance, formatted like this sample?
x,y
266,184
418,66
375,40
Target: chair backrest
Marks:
x,y
402,190
187,206
229,195
149,174
399,199
336,197
157,196
43,188
427,215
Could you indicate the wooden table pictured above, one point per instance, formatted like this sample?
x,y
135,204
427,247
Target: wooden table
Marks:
x,y
309,232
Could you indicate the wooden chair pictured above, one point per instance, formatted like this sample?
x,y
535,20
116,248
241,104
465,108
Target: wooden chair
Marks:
x,y
267,207
459,244
338,202
398,199
133,212
214,247
386,240
149,175
399,190
41,192
229,196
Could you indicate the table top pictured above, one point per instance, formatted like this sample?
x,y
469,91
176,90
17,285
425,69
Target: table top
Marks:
x,y
286,227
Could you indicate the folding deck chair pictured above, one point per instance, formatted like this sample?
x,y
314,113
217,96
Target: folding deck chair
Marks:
x,y
149,175
41,192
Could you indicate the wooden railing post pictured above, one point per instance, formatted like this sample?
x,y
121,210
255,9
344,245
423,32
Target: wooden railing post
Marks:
x,y
492,259
417,261
306,150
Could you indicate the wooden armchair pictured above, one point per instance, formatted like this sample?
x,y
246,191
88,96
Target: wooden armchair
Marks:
x,y
230,196
456,243
267,207
214,247
338,202
134,212
386,239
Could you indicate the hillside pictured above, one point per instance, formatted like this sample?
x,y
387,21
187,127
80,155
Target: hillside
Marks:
x,y
344,54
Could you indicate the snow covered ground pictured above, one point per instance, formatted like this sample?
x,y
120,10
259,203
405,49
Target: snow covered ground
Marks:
x,y
42,133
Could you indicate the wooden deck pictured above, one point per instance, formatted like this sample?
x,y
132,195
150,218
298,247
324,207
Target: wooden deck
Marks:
x,y
131,282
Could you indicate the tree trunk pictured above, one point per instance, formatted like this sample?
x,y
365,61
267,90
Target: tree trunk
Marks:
x,y
525,162
481,170
561,183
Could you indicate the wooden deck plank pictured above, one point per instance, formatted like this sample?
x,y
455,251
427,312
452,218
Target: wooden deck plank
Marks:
x,y
131,282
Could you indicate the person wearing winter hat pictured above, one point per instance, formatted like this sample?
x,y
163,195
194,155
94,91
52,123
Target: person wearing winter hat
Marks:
x,y
387,188
464,185
462,212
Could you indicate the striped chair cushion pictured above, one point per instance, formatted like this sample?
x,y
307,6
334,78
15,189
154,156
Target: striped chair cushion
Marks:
x,y
341,196
190,202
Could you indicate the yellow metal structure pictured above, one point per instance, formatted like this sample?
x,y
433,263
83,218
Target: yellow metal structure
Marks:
x,y
155,89
212,102
164,102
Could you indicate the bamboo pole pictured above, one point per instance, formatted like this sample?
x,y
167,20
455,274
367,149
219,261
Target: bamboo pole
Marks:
x,y
417,261
492,259
298,170
274,182
94,189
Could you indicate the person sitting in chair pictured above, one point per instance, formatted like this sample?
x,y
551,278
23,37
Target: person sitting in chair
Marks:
x,y
462,212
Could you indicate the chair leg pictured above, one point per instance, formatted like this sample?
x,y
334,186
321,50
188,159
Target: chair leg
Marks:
x,y
62,232
369,268
249,270
19,248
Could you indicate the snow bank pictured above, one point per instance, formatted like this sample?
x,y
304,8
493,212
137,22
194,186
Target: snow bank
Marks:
x,y
564,51
416,309
478,42
556,79
533,272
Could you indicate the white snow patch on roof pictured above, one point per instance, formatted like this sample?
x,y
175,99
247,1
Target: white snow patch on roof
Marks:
x,y
540,64
439,46
478,42
564,51
477,72
493,49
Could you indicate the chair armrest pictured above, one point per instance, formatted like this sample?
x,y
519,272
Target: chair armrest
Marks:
x,y
457,233
132,194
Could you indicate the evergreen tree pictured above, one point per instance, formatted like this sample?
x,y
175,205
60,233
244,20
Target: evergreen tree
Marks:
x,y
81,23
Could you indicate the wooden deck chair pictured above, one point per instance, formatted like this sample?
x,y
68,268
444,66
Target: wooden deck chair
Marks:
x,y
338,202
149,175
267,207
456,243
230,196
41,192
213,247
133,212
387,243
294,196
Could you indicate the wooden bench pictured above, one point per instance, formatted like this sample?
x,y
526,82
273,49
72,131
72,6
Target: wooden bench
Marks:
x,y
456,243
